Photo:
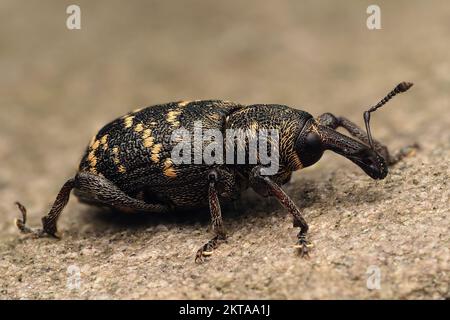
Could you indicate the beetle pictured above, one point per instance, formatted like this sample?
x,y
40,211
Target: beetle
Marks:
x,y
128,164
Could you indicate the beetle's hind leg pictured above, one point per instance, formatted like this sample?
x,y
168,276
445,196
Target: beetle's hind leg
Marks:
x,y
50,220
216,220
103,191
100,189
331,121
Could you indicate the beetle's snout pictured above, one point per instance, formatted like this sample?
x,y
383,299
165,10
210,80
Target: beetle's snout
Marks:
x,y
371,162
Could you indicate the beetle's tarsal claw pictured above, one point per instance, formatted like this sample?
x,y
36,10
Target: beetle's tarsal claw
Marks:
x,y
207,249
23,211
304,246
410,150
200,256
198,259
301,246
405,152
21,223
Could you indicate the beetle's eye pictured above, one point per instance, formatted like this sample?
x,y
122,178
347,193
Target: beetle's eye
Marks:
x,y
313,141
310,149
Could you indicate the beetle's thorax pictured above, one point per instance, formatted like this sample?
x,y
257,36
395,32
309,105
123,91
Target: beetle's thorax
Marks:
x,y
286,121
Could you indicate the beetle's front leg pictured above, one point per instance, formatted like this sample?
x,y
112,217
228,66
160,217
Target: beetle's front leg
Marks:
x,y
331,121
265,186
216,220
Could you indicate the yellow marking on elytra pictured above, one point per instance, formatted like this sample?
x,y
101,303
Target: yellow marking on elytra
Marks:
x,y
91,155
157,148
120,168
167,163
215,116
169,170
155,152
183,103
116,159
155,157
104,142
92,159
95,145
153,123
91,143
115,151
172,117
139,127
148,139
128,121
93,162
148,142
104,139
147,133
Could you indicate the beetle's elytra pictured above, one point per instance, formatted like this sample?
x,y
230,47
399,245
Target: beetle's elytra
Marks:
x,y
128,165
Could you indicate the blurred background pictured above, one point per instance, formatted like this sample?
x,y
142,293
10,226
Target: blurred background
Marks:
x,y
59,86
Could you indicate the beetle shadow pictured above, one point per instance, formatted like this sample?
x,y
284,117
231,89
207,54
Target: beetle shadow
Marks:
x,y
115,219
305,192
249,205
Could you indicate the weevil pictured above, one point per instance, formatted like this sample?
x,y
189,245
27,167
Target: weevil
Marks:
x,y
128,164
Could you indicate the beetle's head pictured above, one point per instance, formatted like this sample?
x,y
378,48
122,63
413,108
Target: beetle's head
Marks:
x,y
315,139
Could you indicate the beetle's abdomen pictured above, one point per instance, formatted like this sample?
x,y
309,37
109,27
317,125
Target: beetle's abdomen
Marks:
x,y
136,147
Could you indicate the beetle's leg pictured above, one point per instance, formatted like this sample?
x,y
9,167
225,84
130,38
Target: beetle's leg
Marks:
x,y
331,121
216,220
49,221
100,188
104,191
260,182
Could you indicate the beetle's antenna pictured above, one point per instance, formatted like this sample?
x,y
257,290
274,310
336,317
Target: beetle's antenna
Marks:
x,y
401,87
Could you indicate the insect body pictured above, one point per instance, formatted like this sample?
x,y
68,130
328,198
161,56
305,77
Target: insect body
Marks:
x,y
129,165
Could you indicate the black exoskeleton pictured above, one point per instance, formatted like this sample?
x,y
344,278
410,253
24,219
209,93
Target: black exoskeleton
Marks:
x,y
128,165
